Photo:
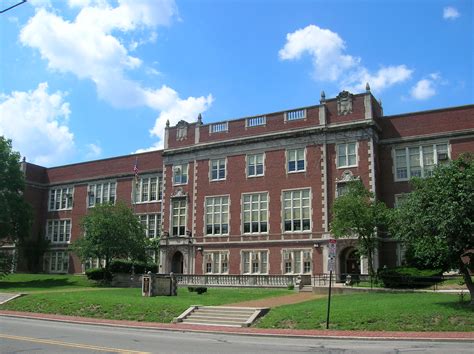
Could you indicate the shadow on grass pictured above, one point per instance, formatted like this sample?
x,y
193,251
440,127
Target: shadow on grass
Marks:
x,y
39,284
463,305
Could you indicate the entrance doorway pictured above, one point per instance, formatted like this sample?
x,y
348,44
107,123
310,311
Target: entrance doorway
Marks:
x,y
177,263
350,261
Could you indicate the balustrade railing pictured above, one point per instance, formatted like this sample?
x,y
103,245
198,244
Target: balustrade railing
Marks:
x,y
271,281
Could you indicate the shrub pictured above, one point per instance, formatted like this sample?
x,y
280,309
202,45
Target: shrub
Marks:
x,y
408,277
98,274
291,287
201,290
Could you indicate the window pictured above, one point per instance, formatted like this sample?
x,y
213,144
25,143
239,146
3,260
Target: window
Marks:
x,y
346,155
56,262
58,231
295,158
255,262
296,210
99,193
418,161
218,168
296,114
148,189
217,215
94,263
61,198
255,165
219,127
255,212
216,262
400,199
152,224
255,121
180,174
179,217
297,261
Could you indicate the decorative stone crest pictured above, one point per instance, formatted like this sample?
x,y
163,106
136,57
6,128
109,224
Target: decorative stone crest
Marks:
x,y
179,193
346,176
344,103
181,130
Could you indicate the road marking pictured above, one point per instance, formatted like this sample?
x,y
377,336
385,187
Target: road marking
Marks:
x,y
72,345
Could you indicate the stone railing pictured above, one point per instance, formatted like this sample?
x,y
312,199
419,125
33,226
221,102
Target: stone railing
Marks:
x,y
268,281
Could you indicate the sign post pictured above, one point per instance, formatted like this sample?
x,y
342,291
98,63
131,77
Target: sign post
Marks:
x,y
331,267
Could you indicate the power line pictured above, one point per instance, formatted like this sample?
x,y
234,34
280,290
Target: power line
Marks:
x,y
11,7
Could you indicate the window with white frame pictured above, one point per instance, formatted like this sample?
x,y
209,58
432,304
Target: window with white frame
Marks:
x,y
61,198
255,262
58,231
296,210
216,262
151,224
217,215
218,169
56,262
347,155
418,161
296,160
94,263
297,261
178,215
255,213
99,193
400,199
148,189
255,165
180,174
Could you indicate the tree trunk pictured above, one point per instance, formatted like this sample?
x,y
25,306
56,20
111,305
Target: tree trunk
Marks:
x,y
467,279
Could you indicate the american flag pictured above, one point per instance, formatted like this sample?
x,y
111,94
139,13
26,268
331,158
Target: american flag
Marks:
x,y
135,170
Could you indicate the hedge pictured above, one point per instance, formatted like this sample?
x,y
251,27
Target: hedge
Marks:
x,y
408,277
125,266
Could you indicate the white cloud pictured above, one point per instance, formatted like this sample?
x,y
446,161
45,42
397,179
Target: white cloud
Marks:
x,y
425,88
90,47
331,63
450,13
94,151
37,122
326,49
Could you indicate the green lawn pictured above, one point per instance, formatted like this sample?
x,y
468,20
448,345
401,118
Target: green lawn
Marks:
x,y
43,282
381,312
128,304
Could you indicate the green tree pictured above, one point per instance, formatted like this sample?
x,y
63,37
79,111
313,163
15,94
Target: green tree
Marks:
x,y
357,213
437,219
15,212
110,232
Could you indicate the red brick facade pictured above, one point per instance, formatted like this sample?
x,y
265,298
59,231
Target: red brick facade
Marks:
x,y
354,125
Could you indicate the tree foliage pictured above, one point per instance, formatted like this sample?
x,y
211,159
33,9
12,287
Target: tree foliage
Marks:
x,y
437,219
357,213
15,212
110,232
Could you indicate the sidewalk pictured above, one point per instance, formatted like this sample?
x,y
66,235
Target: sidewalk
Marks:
x,y
379,335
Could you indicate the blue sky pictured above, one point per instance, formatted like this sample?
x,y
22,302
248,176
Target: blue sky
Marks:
x,y
90,79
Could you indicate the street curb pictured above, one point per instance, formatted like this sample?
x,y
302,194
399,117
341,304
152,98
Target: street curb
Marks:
x,y
343,335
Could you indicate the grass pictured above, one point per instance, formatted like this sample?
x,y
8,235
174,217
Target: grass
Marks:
x,y
26,283
378,312
128,304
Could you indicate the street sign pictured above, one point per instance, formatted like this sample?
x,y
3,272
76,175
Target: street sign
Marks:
x,y
332,247
331,264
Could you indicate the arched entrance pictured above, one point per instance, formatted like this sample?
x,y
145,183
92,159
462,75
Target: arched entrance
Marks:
x,y
350,261
177,263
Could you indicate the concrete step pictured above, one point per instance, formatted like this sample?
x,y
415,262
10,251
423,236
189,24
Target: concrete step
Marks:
x,y
221,315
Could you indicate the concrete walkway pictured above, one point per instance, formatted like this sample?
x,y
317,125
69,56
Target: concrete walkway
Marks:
x,y
376,335
279,300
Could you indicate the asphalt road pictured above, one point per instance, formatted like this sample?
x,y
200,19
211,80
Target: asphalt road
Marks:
x,y
38,336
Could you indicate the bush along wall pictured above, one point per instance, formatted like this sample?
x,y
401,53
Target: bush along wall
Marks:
x,y
126,266
408,277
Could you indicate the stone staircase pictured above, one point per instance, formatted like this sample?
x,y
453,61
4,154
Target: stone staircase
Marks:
x,y
221,316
